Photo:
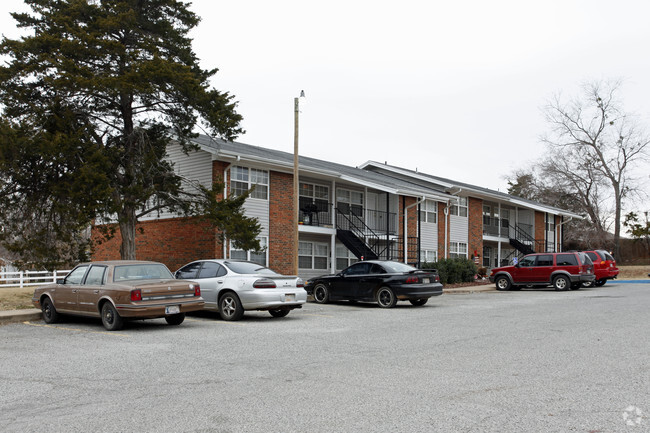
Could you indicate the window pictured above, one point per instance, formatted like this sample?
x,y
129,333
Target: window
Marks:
x,y
242,179
95,276
460,208
189,271
350,202
429,211
317,195
259,258
505,219
313,255
212,270
544,260
458,250
76,275
428,256
344,257
361,268
567,260
527,261
487,215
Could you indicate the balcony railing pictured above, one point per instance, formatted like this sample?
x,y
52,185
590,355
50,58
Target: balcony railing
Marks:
x,y
320,214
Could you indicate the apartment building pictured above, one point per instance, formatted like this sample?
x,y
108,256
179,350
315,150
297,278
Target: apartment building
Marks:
x,y
345,214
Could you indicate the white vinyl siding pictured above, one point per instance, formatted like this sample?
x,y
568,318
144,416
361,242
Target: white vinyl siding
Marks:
x,y
258,209
458,229
197,164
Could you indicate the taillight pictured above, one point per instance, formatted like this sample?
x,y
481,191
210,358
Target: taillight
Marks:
x,y
197,289
136,295
300,283
411,280
264,283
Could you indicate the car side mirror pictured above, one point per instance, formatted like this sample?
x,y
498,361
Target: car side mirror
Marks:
x,y
60,280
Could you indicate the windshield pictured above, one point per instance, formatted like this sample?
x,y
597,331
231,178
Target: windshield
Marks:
x,y
248,268
145,271
398,267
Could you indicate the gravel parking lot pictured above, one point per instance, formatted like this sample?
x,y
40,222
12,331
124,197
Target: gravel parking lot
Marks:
x,y
531,360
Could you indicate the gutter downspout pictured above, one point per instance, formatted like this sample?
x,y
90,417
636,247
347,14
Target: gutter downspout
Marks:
x,y
225,195
406,209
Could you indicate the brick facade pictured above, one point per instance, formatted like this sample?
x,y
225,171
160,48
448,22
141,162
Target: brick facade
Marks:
x,y
475,221
412,227
441,230
281,231
173,241
540,227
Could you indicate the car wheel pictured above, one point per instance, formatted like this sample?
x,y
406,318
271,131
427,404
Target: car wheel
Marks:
x,y
49,312
110,317
588,284
386,298
419,302
321,294
561,282
175,319
230,307
600,282
503,283
576,286
280,312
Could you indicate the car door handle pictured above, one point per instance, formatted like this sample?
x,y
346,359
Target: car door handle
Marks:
x,y
220,281
96,291
75,291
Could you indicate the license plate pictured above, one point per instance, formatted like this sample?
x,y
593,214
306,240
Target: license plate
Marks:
x,y
290,297
425,280
172,309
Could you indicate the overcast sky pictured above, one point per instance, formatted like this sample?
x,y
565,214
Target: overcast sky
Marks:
x,y
451,88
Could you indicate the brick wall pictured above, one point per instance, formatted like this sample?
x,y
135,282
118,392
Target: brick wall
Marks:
x,y
540,228
281,231
173,241
475,220
441,230
412,227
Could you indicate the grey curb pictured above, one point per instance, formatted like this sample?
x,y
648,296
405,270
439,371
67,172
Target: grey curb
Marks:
x,y
14,316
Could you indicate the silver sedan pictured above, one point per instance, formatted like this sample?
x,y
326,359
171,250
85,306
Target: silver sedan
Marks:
x,y
231,287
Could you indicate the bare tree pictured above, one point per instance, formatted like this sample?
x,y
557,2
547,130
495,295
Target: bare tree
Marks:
x,y
595,144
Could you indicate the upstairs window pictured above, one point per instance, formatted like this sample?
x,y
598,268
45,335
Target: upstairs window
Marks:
x,y
459,208
429,211
243,178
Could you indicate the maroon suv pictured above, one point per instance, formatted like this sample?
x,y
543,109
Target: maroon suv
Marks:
x,y
604,267
561,270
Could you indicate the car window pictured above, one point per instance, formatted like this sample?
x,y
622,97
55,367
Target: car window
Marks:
x,y
593,256
398,267
585,259
567,260
76,275
377,269
358,269
188,272
96,276
607,255
248,268
211,270
527,261
544,260
144,271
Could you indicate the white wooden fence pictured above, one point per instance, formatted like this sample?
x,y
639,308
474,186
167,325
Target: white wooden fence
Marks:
x,y
29,278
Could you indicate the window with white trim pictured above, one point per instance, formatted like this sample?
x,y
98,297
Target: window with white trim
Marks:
x,y
428,256
460,208
344,257
313,255
243,178
429,211
349,202
458,250
252,256
312,194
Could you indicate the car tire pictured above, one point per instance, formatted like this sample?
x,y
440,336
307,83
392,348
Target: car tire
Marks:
x,y
561,282
230,307
600,282
175,319
588,284
280,312
111,319
50,314
419,302
321,294
503,283
576,286
386,298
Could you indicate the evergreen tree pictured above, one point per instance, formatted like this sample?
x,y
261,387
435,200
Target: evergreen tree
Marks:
x,y
91,97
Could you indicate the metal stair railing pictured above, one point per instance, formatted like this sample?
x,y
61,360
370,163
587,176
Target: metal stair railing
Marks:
x,y
361,230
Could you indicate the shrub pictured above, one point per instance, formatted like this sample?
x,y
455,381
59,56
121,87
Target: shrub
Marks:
x,y
453,271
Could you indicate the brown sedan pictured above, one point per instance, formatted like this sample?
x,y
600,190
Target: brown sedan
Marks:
x,y
115,290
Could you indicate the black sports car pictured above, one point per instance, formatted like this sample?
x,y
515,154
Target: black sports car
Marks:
x,y
384,282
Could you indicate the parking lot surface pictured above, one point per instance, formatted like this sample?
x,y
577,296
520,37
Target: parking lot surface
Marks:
x,y
530,360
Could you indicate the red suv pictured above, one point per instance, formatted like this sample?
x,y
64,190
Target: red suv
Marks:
x,y
561,270
604,267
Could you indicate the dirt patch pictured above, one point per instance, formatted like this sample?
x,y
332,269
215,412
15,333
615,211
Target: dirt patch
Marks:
x,y
633,272
14,298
